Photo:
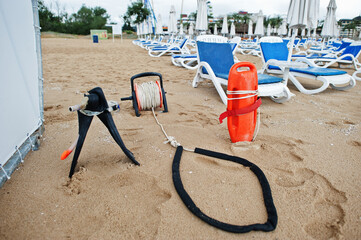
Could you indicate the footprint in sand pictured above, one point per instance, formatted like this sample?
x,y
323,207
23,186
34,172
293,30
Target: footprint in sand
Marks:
x,y
326,213
198,118
52,107
354,143
286,149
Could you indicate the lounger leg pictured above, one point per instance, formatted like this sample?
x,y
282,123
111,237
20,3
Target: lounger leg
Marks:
x,y
197,77
189,64
354,75
175,62
306,91
284,98
351,84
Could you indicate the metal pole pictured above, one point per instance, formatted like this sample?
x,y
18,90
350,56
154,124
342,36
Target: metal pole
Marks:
x,y
39,57
181,20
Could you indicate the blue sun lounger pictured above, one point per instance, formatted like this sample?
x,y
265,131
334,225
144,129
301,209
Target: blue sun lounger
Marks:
x,y
166,50
273,48
215,61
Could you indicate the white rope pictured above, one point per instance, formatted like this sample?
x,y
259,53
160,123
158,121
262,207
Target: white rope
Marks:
x,y
2,168
18,150
32,144
258,124
171,140
251,93
148,95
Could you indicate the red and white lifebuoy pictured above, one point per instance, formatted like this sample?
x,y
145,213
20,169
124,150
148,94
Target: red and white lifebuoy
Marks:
x,y
242,102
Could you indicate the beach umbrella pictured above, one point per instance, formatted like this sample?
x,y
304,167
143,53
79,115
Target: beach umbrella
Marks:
x,y
141,32
202,16
308,32
250,28
215,30
329,28
181,29
190,29
145,27
279,31
172,28
313,13
337,29
298,13
233,29
138,29
150,26
303,32
359,36
298,17
259,30
159,26
225,25
284,27
269,30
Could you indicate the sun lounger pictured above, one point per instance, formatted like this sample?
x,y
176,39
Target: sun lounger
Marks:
x,y
215,61
171,49
273,48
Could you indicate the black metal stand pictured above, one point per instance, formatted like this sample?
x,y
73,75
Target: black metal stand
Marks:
x,y
99,103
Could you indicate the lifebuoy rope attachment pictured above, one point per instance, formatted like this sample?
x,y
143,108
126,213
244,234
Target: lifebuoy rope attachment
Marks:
x,y
245,110
251,93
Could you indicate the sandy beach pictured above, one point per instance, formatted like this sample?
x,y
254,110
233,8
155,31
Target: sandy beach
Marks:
x,y
309,149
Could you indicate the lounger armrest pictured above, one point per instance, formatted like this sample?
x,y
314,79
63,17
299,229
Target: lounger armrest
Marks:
x,y
306,61
331,55
280,64
268,63
207,67
346,55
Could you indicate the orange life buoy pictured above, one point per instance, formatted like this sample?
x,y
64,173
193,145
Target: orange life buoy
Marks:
x,y
242,102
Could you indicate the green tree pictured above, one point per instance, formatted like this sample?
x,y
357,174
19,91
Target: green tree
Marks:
x,y
78,23
275,21
193,16
49,21
46,17
86,19
136,13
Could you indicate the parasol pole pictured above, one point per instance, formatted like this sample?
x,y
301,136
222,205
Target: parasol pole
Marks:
x,y
181,19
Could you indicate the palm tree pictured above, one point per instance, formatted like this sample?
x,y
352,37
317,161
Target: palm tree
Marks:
x,y
245,19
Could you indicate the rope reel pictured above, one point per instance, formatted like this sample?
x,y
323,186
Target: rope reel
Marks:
x,y
147,95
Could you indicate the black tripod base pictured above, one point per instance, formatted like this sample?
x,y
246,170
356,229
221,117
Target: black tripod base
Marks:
x,y
84,124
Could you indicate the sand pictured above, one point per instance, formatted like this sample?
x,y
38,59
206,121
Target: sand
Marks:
x,y
309,148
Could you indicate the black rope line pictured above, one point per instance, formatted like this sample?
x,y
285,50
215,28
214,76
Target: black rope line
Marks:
x,y
272,219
